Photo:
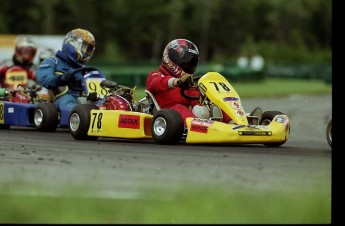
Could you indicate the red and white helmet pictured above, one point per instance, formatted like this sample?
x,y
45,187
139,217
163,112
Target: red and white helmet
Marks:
x,y
180,57
25,50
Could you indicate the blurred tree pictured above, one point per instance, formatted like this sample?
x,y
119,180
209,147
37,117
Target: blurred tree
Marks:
x,y
132,30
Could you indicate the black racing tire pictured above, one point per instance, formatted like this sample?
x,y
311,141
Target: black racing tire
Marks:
x,y
46,117
79,121
167,126
3,126
266,119
329,133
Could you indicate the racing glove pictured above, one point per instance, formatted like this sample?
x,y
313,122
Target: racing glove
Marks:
x,y
64,79
185,81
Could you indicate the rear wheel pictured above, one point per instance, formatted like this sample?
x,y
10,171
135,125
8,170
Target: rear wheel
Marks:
x,y
167,127
46,117
79,121
266,119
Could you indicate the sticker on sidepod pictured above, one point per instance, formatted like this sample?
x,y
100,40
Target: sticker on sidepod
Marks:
x,y
235,105
230,99
202,86
240,113
238,127
282,119
257,127
200,126
129,121
255,133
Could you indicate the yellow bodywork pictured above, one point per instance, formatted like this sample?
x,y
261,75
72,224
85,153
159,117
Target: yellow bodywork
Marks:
x,y
206,131
221,93
120,124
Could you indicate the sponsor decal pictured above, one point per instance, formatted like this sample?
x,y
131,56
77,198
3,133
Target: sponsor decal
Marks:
x,y
192,51
200,126
129,121
282,119
235,105
255,133
257,127
230,99
156,74
238,127
203,87
10,110
240,113
96,131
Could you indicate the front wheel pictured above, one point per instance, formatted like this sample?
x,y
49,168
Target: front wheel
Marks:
x,y
46,117
266,119
167,126
329,133
79,121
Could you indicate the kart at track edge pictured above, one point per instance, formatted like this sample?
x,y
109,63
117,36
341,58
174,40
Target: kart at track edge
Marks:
x,y
145,120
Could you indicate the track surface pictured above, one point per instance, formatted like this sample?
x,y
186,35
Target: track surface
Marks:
x,y
40,162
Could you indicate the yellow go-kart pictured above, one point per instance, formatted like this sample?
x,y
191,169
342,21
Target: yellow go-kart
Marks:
x,y
121,116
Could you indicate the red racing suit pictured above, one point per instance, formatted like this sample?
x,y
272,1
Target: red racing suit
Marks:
x,y
159,83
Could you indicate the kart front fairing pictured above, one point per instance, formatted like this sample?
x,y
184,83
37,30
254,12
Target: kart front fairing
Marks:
x,y
209,131
215,88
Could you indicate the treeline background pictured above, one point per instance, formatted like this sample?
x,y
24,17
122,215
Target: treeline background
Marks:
x,y
126,31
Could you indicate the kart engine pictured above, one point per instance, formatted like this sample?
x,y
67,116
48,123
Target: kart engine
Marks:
x,y
116,102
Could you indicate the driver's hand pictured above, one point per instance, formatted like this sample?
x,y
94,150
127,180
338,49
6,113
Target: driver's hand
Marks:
x,y
66,77
185,80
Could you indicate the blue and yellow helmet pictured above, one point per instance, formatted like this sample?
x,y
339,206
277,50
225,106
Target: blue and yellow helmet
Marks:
x,y
79,45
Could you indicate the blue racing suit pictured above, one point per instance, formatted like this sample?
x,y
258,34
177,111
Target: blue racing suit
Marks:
x,y
53,73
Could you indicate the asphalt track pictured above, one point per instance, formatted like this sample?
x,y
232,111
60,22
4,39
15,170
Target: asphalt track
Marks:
x,y
42,163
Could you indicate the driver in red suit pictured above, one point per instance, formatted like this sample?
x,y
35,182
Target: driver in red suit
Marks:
x,y
179,62
25,51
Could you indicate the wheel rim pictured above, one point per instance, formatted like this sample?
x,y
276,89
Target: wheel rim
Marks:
x,y
159,126
74,122
38,117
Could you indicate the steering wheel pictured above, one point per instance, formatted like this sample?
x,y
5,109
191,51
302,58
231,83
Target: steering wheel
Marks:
x,y
182,91
83,70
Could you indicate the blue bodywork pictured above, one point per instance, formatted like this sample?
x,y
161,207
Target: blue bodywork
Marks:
x,y
17,114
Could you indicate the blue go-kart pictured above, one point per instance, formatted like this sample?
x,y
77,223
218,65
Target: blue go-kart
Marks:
x,y
28,107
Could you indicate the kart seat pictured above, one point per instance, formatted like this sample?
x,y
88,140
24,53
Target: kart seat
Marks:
x,y
152,100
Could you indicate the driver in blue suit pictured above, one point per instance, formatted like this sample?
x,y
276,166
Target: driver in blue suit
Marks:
x,y
55,73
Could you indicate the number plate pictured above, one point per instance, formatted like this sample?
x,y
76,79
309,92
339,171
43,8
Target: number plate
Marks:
x,y
94,85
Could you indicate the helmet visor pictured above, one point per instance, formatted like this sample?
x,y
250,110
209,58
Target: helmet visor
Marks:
x,y
26,53
80,45
87,48
189,63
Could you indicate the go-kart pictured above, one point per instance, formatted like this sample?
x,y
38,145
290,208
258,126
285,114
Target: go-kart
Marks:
x,y
25,108
17,106
144,119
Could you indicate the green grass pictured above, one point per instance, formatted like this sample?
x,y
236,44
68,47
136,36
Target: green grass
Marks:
x,y
272,88
201,206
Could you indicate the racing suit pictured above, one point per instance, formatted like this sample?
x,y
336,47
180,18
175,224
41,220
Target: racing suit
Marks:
x,y
8,64
160,84
53,72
